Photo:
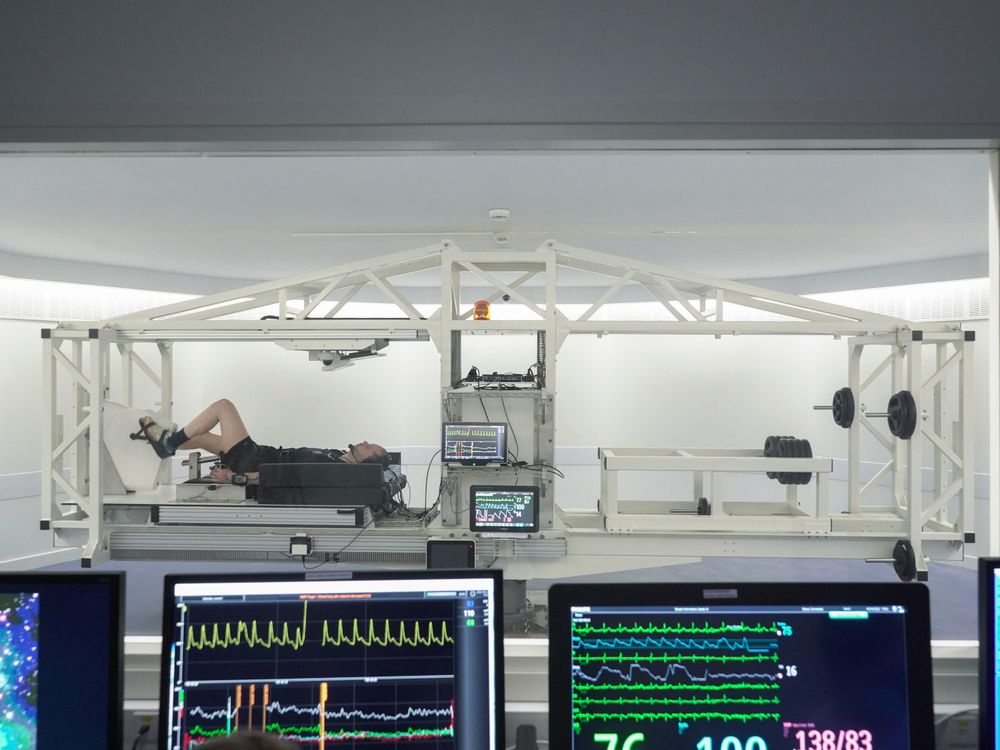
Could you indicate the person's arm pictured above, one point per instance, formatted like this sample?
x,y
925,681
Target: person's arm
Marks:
x,y
225,476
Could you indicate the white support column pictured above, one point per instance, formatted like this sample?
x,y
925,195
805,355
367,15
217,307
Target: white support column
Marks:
x,y
898,449
855,350
98,375
967,415
914,456
993,241
128,370
942,425
166,379
80,458
48,507
166,397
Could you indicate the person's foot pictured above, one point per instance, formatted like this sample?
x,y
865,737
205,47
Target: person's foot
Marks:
x,y
157,435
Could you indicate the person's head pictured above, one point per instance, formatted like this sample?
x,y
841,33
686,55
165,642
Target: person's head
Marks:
x,y
247,741
368,453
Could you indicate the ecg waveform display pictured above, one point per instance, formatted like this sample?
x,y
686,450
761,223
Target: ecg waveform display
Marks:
x,y
504,508
338,671
473,443
744,680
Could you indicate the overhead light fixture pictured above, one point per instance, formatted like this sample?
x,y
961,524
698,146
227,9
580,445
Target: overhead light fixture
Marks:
x,y
499,214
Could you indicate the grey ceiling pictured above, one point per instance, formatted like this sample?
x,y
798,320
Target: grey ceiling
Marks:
x,y
196,223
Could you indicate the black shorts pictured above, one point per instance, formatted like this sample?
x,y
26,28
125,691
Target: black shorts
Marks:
x,y
246,456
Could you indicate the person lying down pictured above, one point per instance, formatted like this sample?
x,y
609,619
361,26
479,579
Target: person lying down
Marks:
x,y
241,456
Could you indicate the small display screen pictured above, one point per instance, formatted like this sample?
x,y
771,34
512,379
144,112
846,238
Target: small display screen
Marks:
x,y
473,442
504,509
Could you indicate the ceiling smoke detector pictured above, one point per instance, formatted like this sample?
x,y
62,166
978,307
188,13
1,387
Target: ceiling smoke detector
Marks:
x,y
499,214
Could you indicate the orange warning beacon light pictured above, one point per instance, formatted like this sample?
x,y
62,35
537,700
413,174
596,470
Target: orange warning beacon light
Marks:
x,y
481,310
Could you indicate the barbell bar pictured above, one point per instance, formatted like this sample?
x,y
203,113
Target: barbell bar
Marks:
x,y
900,413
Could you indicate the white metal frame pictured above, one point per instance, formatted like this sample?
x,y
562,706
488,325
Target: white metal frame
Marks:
x,y
693,304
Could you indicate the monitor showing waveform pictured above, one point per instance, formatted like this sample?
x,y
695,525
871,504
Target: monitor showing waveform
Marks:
x,y
629,673
473,442
365,661
989,653
508,508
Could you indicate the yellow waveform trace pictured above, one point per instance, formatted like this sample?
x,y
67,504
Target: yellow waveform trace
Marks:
x,y
387,638
241,633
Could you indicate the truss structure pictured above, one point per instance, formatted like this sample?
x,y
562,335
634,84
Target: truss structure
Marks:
x,y
82,505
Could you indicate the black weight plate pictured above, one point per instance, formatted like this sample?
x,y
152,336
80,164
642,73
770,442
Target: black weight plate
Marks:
x,y
770,444
771,450
786,449
902,411
843,407
904,561
805,451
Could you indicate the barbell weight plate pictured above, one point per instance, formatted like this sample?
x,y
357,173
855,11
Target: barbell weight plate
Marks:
x,y
771,450
843,407
904,561
805,450
902,411
770,445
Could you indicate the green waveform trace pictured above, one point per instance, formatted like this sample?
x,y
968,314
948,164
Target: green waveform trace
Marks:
x,y
585,629
312,733
707,701
583,717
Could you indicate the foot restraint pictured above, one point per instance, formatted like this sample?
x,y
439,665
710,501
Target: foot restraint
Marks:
x,y
156,435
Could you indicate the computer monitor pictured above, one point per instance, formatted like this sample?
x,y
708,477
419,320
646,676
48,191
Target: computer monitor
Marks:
x,y
347,660
61,646
473,443
503,508
989,665
739,666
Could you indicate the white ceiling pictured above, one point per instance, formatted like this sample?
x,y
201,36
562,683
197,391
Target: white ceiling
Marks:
x,y
195,223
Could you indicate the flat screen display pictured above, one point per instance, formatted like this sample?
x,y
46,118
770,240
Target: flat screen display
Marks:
x,y
61,646
360,660
473,443
989,656
740,667
503,508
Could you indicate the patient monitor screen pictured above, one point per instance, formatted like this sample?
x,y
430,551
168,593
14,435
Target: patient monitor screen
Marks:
x,y
366,662
496,508
726,676
473,442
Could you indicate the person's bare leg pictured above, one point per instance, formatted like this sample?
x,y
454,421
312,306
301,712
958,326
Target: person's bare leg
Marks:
x,y
224,414
208,442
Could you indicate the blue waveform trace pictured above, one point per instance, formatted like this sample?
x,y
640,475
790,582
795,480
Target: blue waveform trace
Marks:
x,y
753,645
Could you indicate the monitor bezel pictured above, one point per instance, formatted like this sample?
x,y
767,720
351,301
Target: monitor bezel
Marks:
x,y
535,495
115,582
170,580
913,596
987,651
474,461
